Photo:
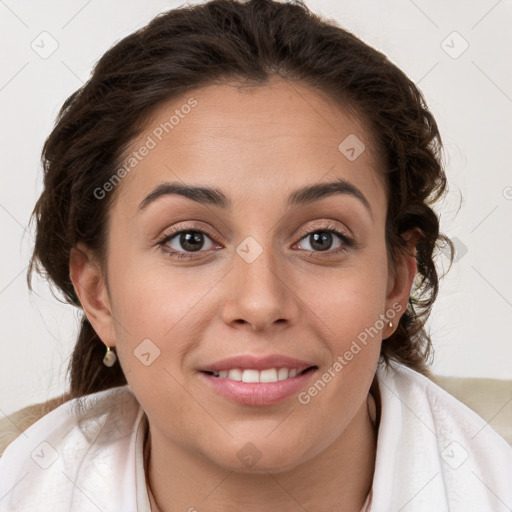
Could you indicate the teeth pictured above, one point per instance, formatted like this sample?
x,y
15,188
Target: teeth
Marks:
x,y
269,375
282,374
234,375
248,375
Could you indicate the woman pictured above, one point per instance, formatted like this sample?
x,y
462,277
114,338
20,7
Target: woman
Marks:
x,y
240,200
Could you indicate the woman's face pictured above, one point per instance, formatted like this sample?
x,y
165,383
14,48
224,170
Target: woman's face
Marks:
x,y
257,271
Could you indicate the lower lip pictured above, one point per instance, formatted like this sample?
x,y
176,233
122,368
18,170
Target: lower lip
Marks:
x,y
254,393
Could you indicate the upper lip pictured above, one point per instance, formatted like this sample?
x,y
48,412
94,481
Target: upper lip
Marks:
x,y
257,363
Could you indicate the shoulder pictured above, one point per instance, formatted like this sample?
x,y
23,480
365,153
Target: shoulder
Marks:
x,y
427,437
445,400
96,404
83,441
470,401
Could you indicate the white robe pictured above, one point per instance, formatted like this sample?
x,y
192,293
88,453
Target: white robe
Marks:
x,y
433,455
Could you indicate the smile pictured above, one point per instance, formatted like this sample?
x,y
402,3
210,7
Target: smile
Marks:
x,y
249,387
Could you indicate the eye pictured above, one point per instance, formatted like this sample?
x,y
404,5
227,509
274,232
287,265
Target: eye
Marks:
x,y
185,241
322,239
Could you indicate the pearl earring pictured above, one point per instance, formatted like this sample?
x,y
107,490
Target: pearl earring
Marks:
x,y
390,324
110,358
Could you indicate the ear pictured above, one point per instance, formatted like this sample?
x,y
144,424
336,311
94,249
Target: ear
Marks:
x,y
401,278
91,288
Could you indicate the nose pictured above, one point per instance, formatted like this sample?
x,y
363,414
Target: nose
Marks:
x,y
259,295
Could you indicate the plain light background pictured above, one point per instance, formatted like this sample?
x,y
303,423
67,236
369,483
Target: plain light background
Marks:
x,y
457,52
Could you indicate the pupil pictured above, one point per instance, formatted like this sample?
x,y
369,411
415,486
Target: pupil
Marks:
x,y
321,239
188,240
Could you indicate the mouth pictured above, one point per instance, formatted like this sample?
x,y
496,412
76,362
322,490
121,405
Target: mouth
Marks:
x,y
269,375
257,388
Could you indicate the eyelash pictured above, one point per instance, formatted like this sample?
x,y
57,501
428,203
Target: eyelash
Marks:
x,y
348,242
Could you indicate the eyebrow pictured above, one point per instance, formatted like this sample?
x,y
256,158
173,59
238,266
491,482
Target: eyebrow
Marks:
x,y
215,197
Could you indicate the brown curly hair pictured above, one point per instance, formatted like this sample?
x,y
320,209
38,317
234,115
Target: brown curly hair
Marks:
x,y
249,42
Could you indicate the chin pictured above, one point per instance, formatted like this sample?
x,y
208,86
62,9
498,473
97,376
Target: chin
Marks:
x,y
260,458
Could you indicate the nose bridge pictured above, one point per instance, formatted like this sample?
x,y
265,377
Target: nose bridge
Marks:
x,y
258,293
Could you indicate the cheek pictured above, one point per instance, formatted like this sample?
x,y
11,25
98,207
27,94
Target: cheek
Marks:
x,y
151,298
349,299
160,313
349,312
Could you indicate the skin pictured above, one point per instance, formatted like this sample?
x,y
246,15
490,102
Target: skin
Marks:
x,y
257,145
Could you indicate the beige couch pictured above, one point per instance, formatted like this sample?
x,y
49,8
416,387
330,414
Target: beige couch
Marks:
x,y
490,398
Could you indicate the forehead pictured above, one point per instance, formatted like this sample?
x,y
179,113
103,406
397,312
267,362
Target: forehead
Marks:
x,y
249,141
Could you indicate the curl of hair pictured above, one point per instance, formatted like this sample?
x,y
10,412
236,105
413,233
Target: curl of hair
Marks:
x,y
247,43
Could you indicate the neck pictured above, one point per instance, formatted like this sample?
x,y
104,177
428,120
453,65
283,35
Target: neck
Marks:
x,y
339,478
